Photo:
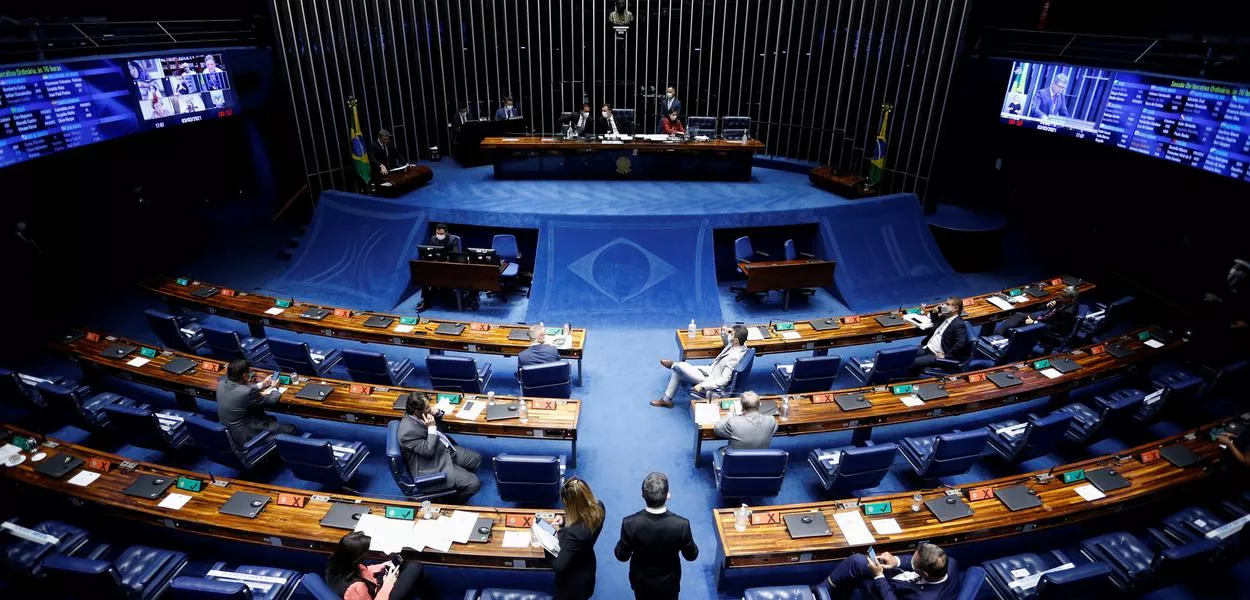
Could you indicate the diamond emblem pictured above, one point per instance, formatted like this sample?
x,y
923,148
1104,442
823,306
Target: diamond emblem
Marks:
x,y
657,269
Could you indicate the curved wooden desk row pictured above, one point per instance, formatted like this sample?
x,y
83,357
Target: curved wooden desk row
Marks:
x,y
770,544
276,525
864,329
967,392
371,405
255,309
558,145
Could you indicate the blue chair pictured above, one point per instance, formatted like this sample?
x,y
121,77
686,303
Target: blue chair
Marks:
x,y
1178,382
183,335
741,372
373,367
1021,344
532,480
969,362
425,487
506,249
298,357
744,253
792,253
23,557
229,345
1189,525
1133,564
315,587
216,443
1113,314
1015,441
17,392
504,594
457,374
1089,580
855,467
808,374
934,456
548,380
1109,412
237,582
779,592
887,365
148,429
84,407
138,573
970,584
750,473
325,461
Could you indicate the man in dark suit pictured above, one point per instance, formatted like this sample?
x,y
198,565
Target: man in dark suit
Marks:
x,y
240,404
450,244
583,122
428,450
1050,101
948,337
609,125
926,574
651,539
669,104
458,120
384,155
539,352
507,111
1060,318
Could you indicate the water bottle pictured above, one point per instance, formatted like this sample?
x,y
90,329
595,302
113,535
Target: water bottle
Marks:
x,y
785,407
490,398
426,511
915,502
523,412
566,328
690,329
741,517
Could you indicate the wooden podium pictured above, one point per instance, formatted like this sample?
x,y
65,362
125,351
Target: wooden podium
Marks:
x,y
397,183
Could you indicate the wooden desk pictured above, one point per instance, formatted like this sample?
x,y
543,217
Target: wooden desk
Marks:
x,y
397,183
786,275
770,545
251,309
808,417
977,310
283,526
842,184
533,157
455,276
374,408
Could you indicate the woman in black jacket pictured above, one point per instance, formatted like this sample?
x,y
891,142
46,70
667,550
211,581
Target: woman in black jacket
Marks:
x,y
579,530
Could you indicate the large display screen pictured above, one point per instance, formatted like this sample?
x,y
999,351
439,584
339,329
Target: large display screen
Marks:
x,y
1200,124
47,108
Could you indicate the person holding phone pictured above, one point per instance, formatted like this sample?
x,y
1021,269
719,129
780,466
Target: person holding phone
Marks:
x,y
926,574
579,529
241,403
352,579
427,450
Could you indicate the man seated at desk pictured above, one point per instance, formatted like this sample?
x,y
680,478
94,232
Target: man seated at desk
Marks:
x,y
750,430
926,574
711,377
384,155
948,339
539,352
460,119
507,111
609,126
1060,318
583,123
450,244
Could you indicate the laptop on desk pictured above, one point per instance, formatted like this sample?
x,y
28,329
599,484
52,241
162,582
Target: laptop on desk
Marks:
x,y
1106,480
58,465
1018,497
1180,455
452,329
930,391
118,351
344,515
949,508
179,365
519,335
806,525
499,412
1064,364
1004,379
823,324
850,402
315,314
768,408
890,320
379,321
314,391
149,486
1036,292
1118,351
244,504
204,292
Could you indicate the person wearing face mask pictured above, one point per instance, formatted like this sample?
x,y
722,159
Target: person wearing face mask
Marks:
x,y
948,338
610,126
507,111
450,244
673,125
669,104
583,121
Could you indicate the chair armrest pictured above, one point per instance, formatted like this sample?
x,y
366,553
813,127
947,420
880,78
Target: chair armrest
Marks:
x,y
807,254
470,595
427,481
764,254
260,438
868,444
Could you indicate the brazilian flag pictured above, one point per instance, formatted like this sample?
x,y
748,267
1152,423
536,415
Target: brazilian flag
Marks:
x,y
878,154
360,153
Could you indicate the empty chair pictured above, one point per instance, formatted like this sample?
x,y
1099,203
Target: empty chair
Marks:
x,y
779,592
1114,314
425,487
375,368
504,594
807,374
138,573
1179,383
506,249
148,429
886,366
934,456
20,390
242,582
548,380
852,467
744,253
80,404
1021,344
329,462
1107,412
1189,525
532,480
1133,564
22,556
229,345
1016,441
792,253
749,473
183,335
315,587
216,443
1089,580
457,374
741,372
298,357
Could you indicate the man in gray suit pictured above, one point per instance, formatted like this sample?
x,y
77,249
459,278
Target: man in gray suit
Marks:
x,y
428,450
714,376
240,404
749,430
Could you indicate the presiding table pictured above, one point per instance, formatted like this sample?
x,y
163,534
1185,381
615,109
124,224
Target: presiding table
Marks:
x,y
455,276
552,158
786,275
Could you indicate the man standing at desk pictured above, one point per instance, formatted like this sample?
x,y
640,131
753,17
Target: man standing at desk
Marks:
x,y
384,155
507,111
608,125
450,244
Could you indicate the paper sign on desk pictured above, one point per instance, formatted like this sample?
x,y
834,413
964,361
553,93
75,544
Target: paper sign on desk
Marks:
x,y
403,329
174,501
853,528
886,526
460,525
445,405
277,310
432,534
706,413
754,333
84,478
999,302
1050,373
1090,493
387,535
516,539
138,361
561,342
1153,343
471,410
911,400
791,335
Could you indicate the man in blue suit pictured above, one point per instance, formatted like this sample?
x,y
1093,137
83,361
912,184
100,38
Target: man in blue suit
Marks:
x,y
1050,101
669,103
539,352
927,574
507,111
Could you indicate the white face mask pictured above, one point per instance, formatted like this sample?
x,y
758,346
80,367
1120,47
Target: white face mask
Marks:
x,y
668,94
507,106
440,236
586,113
605,114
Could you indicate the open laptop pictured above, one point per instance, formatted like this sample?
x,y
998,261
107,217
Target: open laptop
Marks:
x,y
118,351
245,504
850,402
824,324
1018,497
451,328
499,412
344,515
179,365
1004,379
314,391
149,486
379,321
58,465
1107,480
806,525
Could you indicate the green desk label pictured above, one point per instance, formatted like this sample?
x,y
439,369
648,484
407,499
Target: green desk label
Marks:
x,y
1015,292
284,379
903,389
786,326
726,404
913,311
450,398
282,303
190,485
1074,476
182,281
555,330
400,512
148,352
1041,364
1143,336
878,508
407,320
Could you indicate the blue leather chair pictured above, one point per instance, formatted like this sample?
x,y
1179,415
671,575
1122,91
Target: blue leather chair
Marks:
x,y
84,407
808,374
1087,580
1180,384
375,368
934,456
23,557
1189,525
16,392
1038,436
750,473
219,583
148,429
887,365
971,580
779,592
229,345
741,372
138,573
857,468
548,380
183,335
1113,314
744,253
1134,564
425,487
457,374
1108,412
504,594
971,362
506,249
315,587
325,461
298,357
792,253
215,441
1021,345
525,479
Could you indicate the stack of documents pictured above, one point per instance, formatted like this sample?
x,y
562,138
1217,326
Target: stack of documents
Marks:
x,y
706,413
999,302
853,528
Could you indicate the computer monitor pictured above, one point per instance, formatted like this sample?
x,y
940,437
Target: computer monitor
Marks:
x,y
432,252
485,256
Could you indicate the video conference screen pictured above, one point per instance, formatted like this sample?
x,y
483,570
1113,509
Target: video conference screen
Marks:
x,y
47,108
1201,124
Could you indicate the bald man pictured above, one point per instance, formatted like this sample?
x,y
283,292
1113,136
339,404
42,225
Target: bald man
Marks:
x,y
539,352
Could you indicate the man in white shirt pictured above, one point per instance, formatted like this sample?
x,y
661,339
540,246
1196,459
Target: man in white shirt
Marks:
x,y
714,376
610,126
947,340
926,574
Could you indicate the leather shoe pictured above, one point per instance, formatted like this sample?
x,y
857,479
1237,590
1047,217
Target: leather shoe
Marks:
x,y
666,363
662,403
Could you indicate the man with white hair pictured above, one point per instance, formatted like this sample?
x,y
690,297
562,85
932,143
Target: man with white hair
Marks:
x,y
749,430
1049,101
539,352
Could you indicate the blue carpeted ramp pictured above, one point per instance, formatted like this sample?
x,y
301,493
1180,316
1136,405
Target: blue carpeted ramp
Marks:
x,y
355,253
885,253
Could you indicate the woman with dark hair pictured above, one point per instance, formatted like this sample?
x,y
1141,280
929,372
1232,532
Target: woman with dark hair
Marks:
x,y
349,577
579,530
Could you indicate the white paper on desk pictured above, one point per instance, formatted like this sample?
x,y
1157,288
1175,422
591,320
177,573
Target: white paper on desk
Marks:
x,y
470,410
1090,493
706,413
446,406
174,501
511,139
84,478
277,310
403,329
138,361
754,333
9,451
434,534
999,302
386,535
886,526
921,321
1153,343
911,400
1020,299
613,142
787,369
561,342
516,539
854,529
1050,373
460,525
791,335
